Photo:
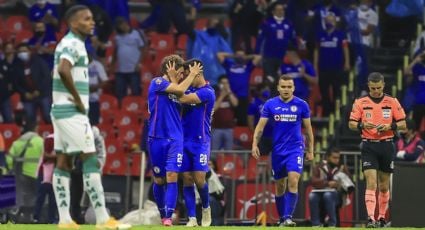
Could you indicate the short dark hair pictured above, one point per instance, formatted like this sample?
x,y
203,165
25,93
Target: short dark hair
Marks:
x,y
285,77
375,77
74,10
332,150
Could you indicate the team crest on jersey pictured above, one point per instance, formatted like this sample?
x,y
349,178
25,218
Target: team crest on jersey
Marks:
x,y
294,108
386,113
368,115
156,169
158,81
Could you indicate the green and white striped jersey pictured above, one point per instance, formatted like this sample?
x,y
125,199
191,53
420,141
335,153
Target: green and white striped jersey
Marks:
x,y
71,48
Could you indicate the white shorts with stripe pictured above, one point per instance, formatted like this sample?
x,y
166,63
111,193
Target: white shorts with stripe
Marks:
x,y
73,135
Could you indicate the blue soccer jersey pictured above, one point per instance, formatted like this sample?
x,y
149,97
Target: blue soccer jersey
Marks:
x,y
197,117
164,109
287,117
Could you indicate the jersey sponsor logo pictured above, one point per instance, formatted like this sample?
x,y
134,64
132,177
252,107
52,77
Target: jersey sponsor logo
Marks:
x,y
386,113
173,98
285,117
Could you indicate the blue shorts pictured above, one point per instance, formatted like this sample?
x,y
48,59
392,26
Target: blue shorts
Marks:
x,y
166,155
287,162
196,156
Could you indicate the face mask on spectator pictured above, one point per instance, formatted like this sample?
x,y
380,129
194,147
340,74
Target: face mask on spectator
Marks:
x,y
39,33
24,56
212,31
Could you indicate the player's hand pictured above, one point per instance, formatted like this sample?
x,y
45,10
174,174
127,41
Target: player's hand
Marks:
x,y
368,125
79,104
196,68
383,127
255,152
171,70
309,156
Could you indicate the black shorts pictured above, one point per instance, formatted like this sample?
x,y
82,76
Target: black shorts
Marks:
x,y
378,155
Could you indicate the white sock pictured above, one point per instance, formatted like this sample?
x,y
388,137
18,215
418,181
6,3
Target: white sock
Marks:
x,y
62,194
94,188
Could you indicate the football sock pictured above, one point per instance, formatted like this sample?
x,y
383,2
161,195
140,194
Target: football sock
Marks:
x,y
60,184
290,201
280,206
189,199
370,200
159,194
205,195
94,188
170,199
383,199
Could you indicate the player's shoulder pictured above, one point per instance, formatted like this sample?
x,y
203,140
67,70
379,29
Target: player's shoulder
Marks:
x,y
301,101
362,99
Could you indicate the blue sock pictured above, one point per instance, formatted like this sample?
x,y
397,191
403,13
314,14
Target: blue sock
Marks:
x,y
159,194
205,195
280,205
189,199
290,200
170,198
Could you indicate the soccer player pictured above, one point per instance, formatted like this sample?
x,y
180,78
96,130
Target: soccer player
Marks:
x,y
73,134
197,114
377,116
166,132
288,113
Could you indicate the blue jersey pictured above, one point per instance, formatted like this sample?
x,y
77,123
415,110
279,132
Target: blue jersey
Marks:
x,y
331,54
274,38
288,118
302,88
164,110
419,83
197,117
238,75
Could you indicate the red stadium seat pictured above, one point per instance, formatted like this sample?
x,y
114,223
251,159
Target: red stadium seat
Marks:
x,y
256,77
45,129
162,42
130,134
254,169
22,36
242,136
181,45
16,102
133,104
10,133
17,23
107,131
115,165
125,118
107,117
230,165
108,102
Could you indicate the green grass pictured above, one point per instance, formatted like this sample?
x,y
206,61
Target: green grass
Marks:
x,y
49,226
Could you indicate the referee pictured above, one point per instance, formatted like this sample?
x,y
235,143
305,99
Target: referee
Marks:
x,y
377,116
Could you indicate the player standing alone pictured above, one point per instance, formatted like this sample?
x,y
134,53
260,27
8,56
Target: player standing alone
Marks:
x,y
197,114
72,131
377,116
166,132
288,113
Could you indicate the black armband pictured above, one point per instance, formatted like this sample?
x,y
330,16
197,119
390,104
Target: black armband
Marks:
x,y
359,126
394,126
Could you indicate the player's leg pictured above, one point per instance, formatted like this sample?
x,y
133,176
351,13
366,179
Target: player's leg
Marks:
x,y
174,162
157,152
188,185
369,167
61,178
386,158
200,169
280,183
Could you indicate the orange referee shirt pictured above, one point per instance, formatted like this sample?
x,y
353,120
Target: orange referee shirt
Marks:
x,y
377,112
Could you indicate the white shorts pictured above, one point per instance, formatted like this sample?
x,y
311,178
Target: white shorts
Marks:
x,y
73,135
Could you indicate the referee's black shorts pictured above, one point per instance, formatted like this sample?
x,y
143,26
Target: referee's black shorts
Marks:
x,y
378,155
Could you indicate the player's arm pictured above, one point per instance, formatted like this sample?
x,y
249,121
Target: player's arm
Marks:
x,y
191,98
221,56
179,89
309,130
258,133
64,70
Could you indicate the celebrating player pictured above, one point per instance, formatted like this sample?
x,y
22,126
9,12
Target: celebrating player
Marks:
x,y
197,114
377,116
72,131
288,112
166,132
